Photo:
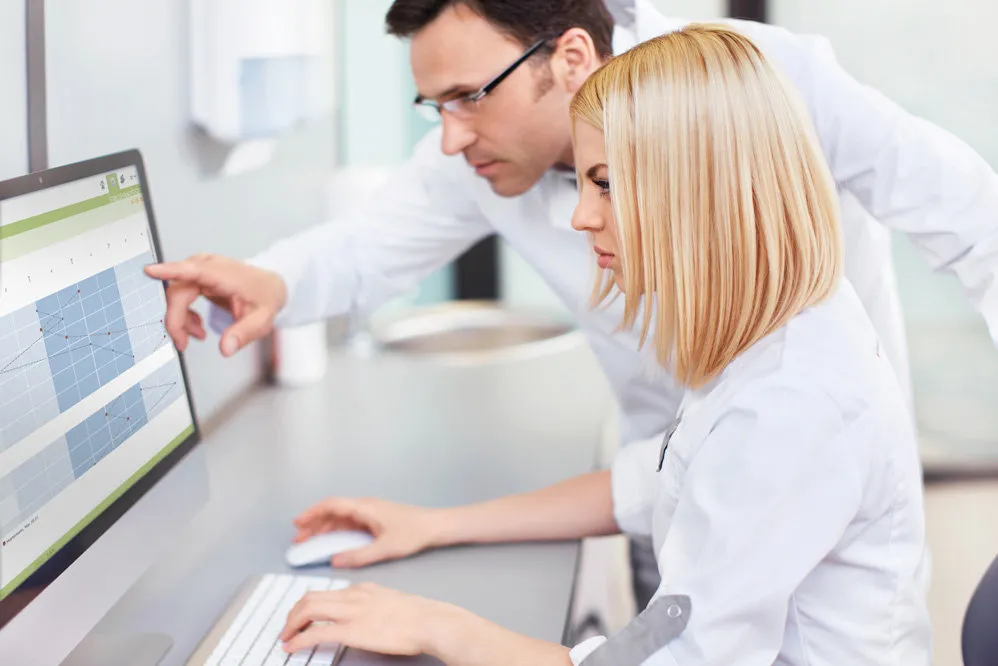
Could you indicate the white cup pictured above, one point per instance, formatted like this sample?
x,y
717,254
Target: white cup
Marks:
x,y
300,354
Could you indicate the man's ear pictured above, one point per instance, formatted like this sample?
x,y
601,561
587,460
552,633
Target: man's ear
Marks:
x,y
574,59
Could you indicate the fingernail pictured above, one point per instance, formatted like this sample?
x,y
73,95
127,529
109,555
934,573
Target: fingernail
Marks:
x,y
230,345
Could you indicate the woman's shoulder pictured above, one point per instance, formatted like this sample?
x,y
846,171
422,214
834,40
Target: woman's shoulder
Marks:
x,y
826,359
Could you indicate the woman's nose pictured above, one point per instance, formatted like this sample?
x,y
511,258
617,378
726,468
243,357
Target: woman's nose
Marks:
x,y
586,219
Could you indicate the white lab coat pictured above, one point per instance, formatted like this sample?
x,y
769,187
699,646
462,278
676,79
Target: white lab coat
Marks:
x,y
907,173
787,516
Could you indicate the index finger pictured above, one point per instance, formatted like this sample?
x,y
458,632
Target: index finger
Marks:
x,y
187,270
178,299
341,508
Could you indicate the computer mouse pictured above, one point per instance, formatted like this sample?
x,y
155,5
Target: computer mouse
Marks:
x,y
320,548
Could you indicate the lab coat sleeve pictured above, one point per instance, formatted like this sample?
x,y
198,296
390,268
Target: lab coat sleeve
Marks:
x,y
766,497
422,218
908,173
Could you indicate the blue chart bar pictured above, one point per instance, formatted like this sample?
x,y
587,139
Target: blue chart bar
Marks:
x,y
86,337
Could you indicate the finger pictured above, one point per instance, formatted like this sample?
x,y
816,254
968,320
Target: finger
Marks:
x,y
303,535
316,607
179,298
238,307
254,325
188,270
314,635
376,551
331,507
194,325
309,531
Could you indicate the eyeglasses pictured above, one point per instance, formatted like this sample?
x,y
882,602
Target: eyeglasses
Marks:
x,y
430,109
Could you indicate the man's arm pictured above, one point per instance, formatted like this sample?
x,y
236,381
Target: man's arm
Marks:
x,y
421,219
418,221
908,173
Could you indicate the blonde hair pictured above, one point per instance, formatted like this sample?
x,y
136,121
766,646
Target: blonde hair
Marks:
x,y
726,212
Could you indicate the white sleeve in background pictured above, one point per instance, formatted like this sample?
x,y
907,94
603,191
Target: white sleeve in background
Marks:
x,y
421,219
907,173
634,483
763,501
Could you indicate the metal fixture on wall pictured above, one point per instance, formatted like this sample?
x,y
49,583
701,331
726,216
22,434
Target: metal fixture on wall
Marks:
x,y
38,157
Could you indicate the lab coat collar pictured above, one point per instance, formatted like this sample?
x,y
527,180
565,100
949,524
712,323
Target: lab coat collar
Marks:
x,y
732,374
636,21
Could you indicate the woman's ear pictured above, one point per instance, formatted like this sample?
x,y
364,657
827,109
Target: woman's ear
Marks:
x,y
574,59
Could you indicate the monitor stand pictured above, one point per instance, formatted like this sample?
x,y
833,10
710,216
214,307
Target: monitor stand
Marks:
x,y
120,650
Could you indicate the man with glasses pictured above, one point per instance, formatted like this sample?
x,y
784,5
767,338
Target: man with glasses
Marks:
x,y
500,74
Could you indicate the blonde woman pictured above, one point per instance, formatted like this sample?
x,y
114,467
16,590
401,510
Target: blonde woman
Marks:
x,y
786,504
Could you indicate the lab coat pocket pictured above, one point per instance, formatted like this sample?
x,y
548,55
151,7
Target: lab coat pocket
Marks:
x,y
683,446
670,483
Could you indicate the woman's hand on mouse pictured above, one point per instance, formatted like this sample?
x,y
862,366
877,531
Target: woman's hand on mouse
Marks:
x,y
399,530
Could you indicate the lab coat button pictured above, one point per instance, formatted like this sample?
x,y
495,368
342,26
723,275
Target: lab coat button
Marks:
x,y
674,611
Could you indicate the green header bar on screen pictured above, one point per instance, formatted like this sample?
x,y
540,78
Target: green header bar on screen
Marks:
x,y
36,221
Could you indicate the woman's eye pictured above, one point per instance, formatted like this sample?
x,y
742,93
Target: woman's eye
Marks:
x,y
604,187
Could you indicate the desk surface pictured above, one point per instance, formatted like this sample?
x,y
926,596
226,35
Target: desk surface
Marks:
x,y
406,429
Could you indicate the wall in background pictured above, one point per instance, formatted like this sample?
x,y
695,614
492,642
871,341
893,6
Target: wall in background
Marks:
x,y
13,100
378,126
118,78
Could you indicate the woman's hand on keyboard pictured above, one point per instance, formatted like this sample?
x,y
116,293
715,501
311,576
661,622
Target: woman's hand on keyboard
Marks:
x,y
373,618
399,530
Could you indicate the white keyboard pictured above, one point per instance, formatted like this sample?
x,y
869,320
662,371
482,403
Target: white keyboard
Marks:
x,y
252,638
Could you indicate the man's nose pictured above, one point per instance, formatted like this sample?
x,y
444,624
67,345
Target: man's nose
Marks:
x,y
457,135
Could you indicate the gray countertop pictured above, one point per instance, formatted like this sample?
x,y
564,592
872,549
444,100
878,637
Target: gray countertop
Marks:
x,y
407,429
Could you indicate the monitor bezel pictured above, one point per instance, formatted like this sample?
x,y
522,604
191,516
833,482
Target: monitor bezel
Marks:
x,y
61,560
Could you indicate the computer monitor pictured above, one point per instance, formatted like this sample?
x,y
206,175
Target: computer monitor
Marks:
x,y
95,407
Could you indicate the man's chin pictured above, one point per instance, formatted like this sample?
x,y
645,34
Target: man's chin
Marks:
x,y
506,186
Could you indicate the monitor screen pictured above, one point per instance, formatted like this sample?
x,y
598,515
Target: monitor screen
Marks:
x,y
92,391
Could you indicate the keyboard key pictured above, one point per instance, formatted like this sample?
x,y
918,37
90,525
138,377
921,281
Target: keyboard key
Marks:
x,y
325,654
300,658
278,658
277,655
